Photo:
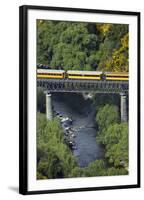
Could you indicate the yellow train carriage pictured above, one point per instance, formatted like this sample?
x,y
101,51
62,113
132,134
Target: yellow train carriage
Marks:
x,y
86,75
50,73
119,76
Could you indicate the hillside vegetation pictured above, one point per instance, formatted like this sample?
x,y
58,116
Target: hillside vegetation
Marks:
x,y
82,46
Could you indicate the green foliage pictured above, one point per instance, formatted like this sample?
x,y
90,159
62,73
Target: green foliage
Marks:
x,y
65,44
107,115
54,159
78,172
40,176
112,171
113,135
82,46
100,100
113,49
97,168
119,59
116,141
41,101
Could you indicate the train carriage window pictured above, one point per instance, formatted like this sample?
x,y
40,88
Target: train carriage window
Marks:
x,y
86,75
117,76
124,75
49,74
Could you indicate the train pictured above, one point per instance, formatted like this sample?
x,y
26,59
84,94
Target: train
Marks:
x,y
84,75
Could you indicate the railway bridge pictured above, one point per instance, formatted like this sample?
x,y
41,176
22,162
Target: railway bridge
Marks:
x,y
80,86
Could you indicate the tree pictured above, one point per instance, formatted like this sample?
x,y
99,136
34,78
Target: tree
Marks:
x,y
113,49
116,141
82,45
100,100
118,62
54,158
114,136
107,115
41,101
98,168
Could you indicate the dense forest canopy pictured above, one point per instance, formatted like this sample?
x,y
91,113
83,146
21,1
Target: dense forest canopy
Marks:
x,y
82,45
54,158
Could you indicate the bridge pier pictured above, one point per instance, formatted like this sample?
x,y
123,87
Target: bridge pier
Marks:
x,y
124,116
49,112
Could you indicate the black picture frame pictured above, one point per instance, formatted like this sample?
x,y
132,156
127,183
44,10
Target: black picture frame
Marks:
x,y
23,97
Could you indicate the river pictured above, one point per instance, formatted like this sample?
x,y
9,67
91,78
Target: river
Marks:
x,y
82,113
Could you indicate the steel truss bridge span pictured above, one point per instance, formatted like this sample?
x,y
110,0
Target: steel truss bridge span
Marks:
x,y
97,86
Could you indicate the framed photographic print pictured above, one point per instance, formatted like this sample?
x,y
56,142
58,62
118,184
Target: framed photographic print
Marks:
x,y
79,99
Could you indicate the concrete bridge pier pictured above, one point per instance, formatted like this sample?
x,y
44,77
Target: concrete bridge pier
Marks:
x,y
49,111
124,116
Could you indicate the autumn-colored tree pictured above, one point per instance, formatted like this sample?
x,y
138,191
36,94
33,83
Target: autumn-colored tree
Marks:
x,y
82,45
119,60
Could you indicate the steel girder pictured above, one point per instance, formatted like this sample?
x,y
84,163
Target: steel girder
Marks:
x,y
96,86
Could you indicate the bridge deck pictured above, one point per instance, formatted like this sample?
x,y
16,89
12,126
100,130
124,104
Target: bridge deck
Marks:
x,y
97,86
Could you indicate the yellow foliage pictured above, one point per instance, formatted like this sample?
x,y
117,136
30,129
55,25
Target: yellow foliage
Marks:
x,y
40,22
103,28
119,60
125,41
